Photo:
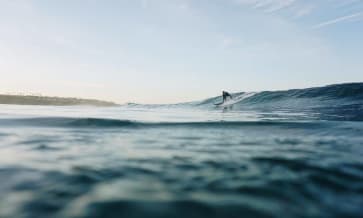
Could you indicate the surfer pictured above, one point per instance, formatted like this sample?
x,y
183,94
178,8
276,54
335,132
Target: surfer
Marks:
x,y
225,95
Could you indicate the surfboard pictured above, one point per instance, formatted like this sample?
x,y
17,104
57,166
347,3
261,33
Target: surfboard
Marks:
x,y
235,100
228,102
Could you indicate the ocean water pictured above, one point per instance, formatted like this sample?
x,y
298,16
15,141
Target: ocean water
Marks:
x,y
296,153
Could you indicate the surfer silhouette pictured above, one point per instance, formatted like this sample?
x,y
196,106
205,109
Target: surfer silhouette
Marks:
x,y
226,95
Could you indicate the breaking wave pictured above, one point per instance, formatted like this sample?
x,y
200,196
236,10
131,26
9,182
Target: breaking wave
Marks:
x,y
340,102
334,102
114,123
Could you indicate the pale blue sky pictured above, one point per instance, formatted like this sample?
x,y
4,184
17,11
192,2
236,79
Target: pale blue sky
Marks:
x,y
163,51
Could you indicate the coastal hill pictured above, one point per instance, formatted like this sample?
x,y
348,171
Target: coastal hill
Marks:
x,y
45,100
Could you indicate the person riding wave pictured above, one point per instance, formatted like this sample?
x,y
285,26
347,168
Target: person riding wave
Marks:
x,y
226,95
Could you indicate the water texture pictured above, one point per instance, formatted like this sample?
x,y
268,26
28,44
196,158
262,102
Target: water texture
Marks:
x,y
295,153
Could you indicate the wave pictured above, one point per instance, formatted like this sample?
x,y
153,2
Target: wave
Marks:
x,y
348,91
66,122
114,123
333,102
340,102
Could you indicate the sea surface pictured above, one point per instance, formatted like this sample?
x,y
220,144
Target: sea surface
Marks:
x,y
295,153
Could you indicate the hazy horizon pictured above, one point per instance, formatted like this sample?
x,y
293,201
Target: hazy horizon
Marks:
x,y
175,51
190,100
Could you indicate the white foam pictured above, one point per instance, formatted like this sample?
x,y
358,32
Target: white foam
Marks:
x,y
238,98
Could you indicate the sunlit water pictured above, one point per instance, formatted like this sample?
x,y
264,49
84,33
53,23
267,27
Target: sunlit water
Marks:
x,y
179,161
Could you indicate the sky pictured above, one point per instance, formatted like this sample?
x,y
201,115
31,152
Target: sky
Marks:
x,y
168,51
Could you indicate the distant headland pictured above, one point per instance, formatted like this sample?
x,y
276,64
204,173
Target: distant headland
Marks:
x,y
46,100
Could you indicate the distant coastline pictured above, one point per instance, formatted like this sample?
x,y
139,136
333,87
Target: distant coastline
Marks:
x,y
51,101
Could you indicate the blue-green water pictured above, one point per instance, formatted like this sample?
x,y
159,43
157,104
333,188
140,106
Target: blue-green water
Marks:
x,y
293,154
